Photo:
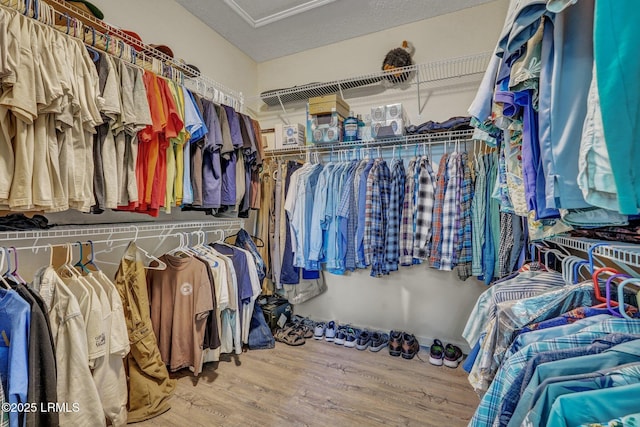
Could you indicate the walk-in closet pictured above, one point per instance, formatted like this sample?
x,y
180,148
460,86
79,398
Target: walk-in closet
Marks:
x,y
319,213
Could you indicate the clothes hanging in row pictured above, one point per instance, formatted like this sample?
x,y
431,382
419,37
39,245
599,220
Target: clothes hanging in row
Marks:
x,y
532,321
64,339
572,174
96,133
202,303
366,213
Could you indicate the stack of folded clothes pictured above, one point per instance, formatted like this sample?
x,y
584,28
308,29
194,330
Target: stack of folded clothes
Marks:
x,y
454,123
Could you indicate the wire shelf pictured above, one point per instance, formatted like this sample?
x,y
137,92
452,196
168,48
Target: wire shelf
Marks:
x,y
431,72
433,138
60,232
624,253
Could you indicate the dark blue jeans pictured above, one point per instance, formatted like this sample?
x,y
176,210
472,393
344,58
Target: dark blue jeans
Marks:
x,y
260,336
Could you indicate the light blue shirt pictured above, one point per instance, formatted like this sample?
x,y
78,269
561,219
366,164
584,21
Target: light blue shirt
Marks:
x,y
489,407
615,356
525,339
15,317
318,219
594,406
194,124
553,389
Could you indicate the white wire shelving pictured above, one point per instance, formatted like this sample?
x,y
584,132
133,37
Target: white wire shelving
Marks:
x,y
8,238
624,253
461,69
462,136
84,26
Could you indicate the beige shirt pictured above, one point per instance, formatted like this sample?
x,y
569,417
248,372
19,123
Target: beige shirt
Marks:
x,y
75,383
109,374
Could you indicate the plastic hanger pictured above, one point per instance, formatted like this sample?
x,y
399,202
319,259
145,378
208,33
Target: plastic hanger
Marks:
x,y
612,304
621,286
91,261
79,265
3,258
596,283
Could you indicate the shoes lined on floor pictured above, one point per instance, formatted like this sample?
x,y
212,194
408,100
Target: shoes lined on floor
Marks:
x,y
399,343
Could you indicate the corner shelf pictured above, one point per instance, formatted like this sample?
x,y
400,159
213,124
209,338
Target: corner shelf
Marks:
x,y
466,68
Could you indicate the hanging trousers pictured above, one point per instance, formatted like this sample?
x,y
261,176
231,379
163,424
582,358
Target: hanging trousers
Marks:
x,y
149,384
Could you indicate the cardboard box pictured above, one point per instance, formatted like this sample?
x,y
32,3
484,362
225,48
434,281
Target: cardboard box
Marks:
x,y
278,136
328,104
325,128
294,135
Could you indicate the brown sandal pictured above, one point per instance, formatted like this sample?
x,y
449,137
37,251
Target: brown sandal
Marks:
x,y
290,336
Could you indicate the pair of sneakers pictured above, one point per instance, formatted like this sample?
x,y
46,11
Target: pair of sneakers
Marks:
x,y
374,341
326,330
449,355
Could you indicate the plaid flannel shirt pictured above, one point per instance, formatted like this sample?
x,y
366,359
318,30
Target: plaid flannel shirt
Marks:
x,y
396,202
424,210
381,191
369,213
406,224
449,215
347,220
465,256
456,231
438,205
491,403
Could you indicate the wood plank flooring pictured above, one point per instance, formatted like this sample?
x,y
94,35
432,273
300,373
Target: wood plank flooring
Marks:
x,y
320,384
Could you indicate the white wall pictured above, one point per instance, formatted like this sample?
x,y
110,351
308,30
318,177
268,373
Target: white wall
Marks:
x,y
167,22
426,302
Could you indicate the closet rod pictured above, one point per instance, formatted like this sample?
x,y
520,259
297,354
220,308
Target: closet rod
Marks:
x,y
628,254
405,141
97,230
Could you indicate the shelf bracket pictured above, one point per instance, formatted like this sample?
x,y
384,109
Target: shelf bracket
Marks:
x,y
284,111
340,89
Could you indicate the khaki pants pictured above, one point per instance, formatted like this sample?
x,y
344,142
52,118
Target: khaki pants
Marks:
x,y
149,384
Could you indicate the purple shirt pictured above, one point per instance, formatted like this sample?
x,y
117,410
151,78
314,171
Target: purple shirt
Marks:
x,y
211,167
234,126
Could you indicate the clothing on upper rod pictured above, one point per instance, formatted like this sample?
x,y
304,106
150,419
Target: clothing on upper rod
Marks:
x,y
127,148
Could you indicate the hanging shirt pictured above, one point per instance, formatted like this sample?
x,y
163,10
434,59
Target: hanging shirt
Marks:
x,y
211,169
396,201
181,300
15,314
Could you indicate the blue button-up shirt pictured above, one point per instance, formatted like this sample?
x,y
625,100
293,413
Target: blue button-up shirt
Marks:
x,y
491,402
615,356
551,391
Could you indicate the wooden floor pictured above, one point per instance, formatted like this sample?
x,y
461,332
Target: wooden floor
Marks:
x,y
320,384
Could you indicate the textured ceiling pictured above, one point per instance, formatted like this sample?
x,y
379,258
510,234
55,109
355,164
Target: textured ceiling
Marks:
x,y
268,29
